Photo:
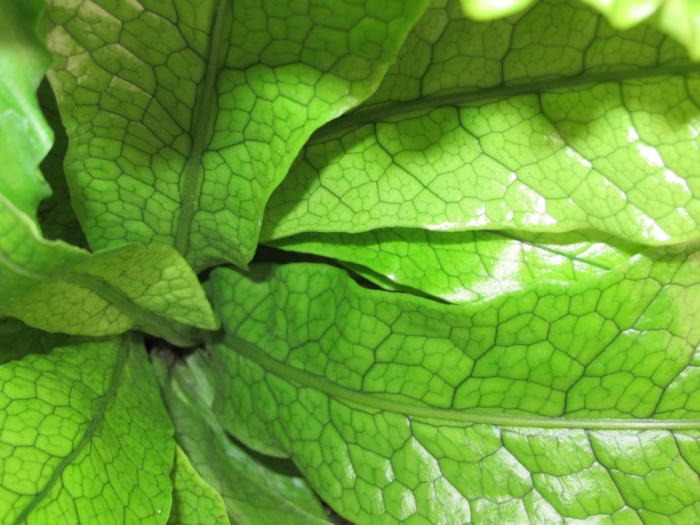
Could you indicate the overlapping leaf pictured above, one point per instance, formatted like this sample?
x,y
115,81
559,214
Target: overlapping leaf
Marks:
x,y
52,285
184,116
84,437
467,266
553,403
57,287
254,493
550,122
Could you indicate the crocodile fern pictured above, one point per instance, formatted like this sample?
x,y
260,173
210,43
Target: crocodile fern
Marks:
x,y
412,261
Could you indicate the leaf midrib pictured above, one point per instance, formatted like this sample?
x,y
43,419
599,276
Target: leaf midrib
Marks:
x,y
106,401
549,249
343,394
171,330
380,111
201,128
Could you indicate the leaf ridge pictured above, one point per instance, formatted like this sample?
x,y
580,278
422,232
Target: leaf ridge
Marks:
x,y
377,112
544,247
107,399
171,330
201,129
347,395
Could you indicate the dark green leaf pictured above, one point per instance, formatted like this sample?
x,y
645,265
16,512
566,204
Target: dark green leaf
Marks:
x,y
18,340
56,215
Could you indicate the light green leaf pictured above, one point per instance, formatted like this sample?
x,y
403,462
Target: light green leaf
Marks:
x,y
488,10
678,18
255,491
552,404
84,438
57,287
467,266
551,122
624,14
24,135
183,116
195,502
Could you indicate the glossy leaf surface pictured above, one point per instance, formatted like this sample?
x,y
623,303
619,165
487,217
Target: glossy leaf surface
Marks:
x,y
552,122
467,266
52,285
84,437
184,116
564,402
506,329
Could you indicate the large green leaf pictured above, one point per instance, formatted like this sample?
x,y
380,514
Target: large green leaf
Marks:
x,y
551,121
560,402
84,438
467,266
254,492
195,502
183,116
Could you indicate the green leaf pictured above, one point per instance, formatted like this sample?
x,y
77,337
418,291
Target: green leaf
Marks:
x,y
183,116
84,437
61,288
551,122
560,402
24,135
195,502
55,286
255,492
467,266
